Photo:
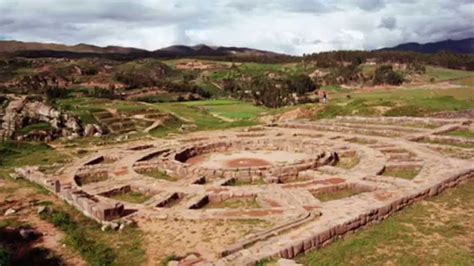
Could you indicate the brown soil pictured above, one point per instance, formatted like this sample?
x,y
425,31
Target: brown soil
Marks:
x,y
246,162
197,159
166,238
22,198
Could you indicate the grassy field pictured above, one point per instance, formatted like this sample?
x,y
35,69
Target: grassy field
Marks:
x,y
439,231
444,74
209,115
398,102
232,109
461,133
84,107
16,154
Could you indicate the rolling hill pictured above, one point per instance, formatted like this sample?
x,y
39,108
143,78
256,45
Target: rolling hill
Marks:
x,y
465,46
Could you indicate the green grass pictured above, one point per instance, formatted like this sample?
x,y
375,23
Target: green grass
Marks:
x,y
17,154
201,117
461,133
234,203
167,128
348,162
257,69
84,107
469,81
444,74
132,197
158,174
24,71
405,174
436,232
337,194
36,126
232,109
401,102
334,88
368,70
97,247
360,107
238,182
81,233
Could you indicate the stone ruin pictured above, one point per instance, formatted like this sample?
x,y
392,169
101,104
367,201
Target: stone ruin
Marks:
x,y
291,190
20,112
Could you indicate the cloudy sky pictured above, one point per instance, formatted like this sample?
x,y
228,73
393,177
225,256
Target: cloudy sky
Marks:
x,y
289,26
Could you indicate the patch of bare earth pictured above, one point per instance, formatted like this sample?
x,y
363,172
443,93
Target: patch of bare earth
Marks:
x,y
182,237
246,162
24,199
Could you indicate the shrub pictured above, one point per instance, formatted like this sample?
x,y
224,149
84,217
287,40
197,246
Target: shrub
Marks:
x,y
386,75
5,259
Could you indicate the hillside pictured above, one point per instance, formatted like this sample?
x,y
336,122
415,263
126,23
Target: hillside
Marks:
x,y
35,49
465,46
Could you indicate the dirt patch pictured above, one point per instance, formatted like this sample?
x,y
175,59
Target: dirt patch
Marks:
x,y
236,159
179,238
197,159
246,162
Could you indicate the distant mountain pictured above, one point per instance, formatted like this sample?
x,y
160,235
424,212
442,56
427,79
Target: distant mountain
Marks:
x,y
34,49
205,50
465,46
15,46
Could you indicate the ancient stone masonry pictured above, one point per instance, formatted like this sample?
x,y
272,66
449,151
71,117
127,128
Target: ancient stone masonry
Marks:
x,y
20,112
90,205
315,181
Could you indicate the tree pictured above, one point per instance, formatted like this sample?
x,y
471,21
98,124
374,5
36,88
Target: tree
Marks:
x,y
301,84
385,75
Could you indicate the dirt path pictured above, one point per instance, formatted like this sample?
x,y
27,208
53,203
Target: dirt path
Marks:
x,y
226,119
22,199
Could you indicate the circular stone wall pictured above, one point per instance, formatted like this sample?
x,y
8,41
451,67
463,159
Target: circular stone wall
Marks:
x,y
246,159
239,159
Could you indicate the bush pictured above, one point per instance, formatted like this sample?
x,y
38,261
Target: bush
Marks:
x,y
5,259
56,93
385,75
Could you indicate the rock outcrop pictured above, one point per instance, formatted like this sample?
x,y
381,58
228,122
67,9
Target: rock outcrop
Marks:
x,y
20,112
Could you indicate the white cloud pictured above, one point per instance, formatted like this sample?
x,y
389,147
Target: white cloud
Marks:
x,y
296,27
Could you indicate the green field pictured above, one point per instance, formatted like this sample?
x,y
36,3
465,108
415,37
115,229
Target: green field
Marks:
x,y
232,109
444,74
208,115
401,102
15,154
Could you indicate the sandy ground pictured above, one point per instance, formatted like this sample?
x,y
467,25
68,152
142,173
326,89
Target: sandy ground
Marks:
x,y
180,238
245,159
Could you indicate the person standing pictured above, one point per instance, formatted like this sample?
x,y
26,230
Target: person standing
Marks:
x,y
325,97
